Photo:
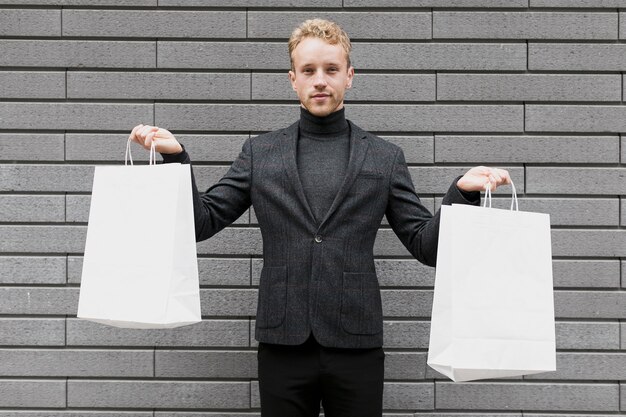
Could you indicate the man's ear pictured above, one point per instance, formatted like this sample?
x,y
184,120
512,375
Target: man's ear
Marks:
x,y
350,77
292,80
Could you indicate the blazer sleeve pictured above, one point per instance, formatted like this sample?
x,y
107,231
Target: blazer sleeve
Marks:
x,y
415,226
225,201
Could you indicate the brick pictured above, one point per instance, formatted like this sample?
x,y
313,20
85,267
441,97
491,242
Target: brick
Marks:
x,y
74,116
586,273
38,239
158,394
589,304
623,333
404,272
66,362
407,303
32,332
134,3
436,3
233,117
217,414
406,334
158,85
218,271
586,366
365,87
46,178
223,55
587,335
567,211
77,208
405,365
580,180
577,3
623,157
31,147
252,3
561,415
623,274
623,210
30,22
216,333
526,149
32,393
32,269
437,117
70,53
524,25
154,24
358,25
417,149
409,396
528,87
233,241
228,302
112,147
472,415
32,84
80,413
576,56
594,243
43,300
440,56
32,208
574,118
527,396
205,364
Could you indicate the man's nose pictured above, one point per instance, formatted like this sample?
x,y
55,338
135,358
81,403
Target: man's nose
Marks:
x,y
320,79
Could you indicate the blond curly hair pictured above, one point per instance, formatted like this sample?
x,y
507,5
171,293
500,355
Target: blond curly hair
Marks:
x,y
326,30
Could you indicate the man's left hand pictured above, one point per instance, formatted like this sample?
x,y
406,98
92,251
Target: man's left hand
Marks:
x,y
479,178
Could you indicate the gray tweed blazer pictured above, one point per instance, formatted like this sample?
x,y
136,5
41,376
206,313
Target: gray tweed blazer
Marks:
x,y
320,277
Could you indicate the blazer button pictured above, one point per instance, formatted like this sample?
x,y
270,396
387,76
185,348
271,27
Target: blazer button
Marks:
x,y
318,238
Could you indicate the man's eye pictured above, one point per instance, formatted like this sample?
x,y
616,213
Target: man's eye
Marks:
x,y
332,69
308,70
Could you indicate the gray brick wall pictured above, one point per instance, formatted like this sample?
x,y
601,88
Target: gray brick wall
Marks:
x,y
534,86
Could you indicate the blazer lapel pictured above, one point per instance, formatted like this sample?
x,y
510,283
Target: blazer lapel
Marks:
x,y
288,144
358,149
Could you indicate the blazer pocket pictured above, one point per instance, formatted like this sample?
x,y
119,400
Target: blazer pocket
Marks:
x,y
361,306
367,184
272,302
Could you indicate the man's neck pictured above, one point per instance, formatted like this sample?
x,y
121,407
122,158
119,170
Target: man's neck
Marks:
x,y
333,123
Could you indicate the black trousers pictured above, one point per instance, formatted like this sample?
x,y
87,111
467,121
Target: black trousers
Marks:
x,y
293,380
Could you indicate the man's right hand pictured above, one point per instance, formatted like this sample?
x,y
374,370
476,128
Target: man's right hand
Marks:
x,y
164,141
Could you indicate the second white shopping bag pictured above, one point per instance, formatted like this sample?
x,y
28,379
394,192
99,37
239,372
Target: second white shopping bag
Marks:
x,y
493,307
140,266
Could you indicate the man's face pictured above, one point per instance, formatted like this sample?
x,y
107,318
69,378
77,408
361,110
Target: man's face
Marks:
x,y
320,76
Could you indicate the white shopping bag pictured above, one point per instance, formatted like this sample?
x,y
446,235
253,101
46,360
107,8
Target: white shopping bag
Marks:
x,y
140,266
493,307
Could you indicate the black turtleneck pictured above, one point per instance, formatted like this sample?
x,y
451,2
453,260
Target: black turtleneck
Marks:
x,y
322,157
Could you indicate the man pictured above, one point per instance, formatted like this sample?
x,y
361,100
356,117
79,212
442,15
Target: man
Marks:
x,y
320,188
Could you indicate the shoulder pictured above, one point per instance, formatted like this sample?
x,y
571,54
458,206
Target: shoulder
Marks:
x,y
269,138
378,145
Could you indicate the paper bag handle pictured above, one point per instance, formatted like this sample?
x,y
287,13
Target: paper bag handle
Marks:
x,y
513,196
129,156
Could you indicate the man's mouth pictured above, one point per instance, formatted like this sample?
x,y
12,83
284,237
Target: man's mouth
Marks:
x,y
320,96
